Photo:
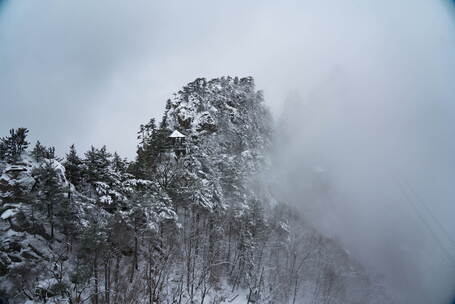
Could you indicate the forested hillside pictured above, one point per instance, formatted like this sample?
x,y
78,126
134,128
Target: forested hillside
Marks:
x,y
192,219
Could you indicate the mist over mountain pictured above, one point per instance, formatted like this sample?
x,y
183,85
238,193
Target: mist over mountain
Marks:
x,y
192,219
330,184
374,175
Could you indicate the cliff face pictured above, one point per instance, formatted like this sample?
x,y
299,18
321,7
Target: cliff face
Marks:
x,y
202,226
228,133
228,110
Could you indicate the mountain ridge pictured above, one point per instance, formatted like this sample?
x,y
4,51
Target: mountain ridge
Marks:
x,y
200,226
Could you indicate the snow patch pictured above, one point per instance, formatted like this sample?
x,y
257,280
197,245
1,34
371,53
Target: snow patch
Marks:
x,y
9,213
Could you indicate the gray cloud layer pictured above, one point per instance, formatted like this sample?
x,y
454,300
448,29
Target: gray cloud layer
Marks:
x,y
375,80
90,72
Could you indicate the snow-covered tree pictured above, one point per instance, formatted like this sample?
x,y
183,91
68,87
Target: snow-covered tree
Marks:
x,y
39,152
50,192
73,166
198,224
12,146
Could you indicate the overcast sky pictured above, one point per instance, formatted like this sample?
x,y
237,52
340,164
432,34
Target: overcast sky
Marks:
x,y
89,72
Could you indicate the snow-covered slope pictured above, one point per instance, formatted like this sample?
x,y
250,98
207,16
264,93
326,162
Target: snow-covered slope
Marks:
x,y
191,220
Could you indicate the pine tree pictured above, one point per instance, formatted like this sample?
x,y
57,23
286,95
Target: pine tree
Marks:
x,y
39,152
151,144
118,164
14,145
50,153
67,215
103,164
97,163
100,177
146,131
73,166
90,172
50,192
93,245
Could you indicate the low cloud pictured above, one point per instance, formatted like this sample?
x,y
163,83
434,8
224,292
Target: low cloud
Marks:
x,y
372,109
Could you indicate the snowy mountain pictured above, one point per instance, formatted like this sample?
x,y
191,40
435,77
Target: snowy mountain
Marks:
x,y
192,220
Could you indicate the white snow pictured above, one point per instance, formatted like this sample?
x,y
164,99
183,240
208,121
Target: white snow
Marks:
x,y
8,213
176,134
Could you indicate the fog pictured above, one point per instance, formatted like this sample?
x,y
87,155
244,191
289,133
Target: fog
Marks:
x,y
377,175
364,90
